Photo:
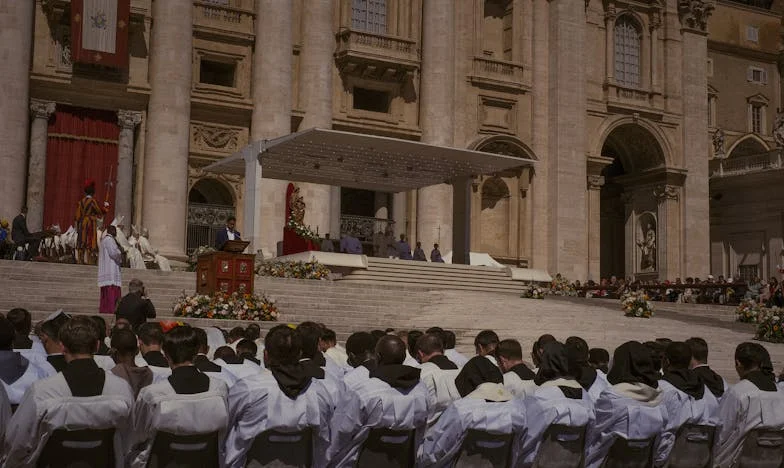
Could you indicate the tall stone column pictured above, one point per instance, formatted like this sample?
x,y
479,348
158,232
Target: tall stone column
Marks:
x,y
437,110
168,133
668,232
272,75
399,210
123,196
16,35
595,183
315,92
36,172
696,213
540,120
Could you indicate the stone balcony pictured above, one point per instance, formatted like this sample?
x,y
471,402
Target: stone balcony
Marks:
x,y
742,165
498,74
630,97
376,56
224,18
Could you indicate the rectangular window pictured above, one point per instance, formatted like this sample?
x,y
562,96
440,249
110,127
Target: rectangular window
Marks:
x,y
217,73
748,272
757,75
756,118
371,100
752,33
369,15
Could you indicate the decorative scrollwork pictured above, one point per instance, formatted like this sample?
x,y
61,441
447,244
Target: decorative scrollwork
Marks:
x,y
216,138
695,13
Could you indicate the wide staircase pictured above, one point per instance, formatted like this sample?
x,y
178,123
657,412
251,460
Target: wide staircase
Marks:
x,y
434,276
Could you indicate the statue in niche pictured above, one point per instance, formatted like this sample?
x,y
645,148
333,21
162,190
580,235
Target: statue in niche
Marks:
x,y
718,143
296,206
647,246
778,130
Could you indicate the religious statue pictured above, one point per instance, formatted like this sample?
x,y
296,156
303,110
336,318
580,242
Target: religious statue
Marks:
x,y
778,130
718,143
297,207
648,249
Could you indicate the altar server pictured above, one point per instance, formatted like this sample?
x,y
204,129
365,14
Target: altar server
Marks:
x,y
150,340
315,362
286,399
203,363
518,378
361,357
438,374
17,373
449,349
632,408
486,406
685,396
82,396
50,338
187,402
239,367
699,362
754,402
393,398
581,370
559,399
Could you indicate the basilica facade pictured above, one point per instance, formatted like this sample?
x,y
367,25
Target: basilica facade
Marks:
x,y
621,103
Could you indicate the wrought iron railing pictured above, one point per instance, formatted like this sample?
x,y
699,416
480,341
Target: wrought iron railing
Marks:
x,y
204,221
740,165
362,227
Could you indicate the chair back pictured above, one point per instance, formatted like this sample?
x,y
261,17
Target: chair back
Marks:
x,y
762,448
630,453
84,448
693,447
184,451
562,447
387,448
482,449
282,449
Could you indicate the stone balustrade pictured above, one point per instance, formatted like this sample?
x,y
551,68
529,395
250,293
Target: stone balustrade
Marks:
x,y
772,160
360,49
502,74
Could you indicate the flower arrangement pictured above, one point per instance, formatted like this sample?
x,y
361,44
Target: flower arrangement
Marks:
x,y
301,230
771,327
562,287
224,306
297,270
636,304
749,311
533,292
193,260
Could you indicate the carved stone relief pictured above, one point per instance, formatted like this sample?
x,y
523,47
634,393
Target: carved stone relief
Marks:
x,y
695,13
497,115
217,139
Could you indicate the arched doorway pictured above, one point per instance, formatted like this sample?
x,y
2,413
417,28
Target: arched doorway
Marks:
x,y
629,209
495,217
748,146
210,204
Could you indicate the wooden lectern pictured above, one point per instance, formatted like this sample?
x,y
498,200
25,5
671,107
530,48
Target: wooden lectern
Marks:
x,y
226,272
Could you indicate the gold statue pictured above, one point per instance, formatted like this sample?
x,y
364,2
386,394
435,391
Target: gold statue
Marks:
x,y
297,205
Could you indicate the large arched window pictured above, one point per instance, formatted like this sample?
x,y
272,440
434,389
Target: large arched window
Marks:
x,y
627,52
369,15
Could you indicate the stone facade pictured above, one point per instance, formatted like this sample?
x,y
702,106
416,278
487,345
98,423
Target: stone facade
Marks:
x,y
610,97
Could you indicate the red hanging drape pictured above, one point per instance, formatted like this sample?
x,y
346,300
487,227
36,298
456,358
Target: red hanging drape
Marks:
x,y
82,144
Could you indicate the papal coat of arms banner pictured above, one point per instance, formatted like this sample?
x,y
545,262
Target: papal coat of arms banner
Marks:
x,y
99,32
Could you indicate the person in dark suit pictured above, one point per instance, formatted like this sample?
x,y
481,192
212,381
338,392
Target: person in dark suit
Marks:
x,y
21,235
134,306
225,235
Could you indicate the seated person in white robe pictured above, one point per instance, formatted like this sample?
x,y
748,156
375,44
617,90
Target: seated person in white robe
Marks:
x,y
50,338
559,399
124,348
686,397
203,363
518,378
449,349
82,396
5,415
361,352
486,406
331,349
188,402
240,368
17,373
248,350
599,359
150,340
315,362
754,402
581,370
393,398
699,363
23,324
438,374
409,338
485,343
632,408
285,399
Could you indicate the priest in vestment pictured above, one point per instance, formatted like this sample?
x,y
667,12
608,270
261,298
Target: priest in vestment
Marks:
x,y
109,279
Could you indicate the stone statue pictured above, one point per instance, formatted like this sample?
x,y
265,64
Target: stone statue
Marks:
x,y
718,143
778,130
648,249
297,205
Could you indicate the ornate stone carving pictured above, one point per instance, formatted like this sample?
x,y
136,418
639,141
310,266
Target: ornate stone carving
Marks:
x,y
217,138
128,119
41,109
666,192
595,182
718,143
695,13
778,130
234,181
647,242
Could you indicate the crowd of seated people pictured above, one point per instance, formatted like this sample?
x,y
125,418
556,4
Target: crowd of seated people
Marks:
x,y
189,396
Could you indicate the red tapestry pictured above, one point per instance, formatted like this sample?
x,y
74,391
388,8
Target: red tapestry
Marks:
x,y
99,32
82,144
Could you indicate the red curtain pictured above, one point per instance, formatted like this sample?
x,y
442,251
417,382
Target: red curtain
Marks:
x,y
82,145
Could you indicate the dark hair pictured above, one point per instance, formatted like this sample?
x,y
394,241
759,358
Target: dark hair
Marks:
x,y
751,355
543,340
678,355
377,335
360,343
283,345
509,349
598,356
236,333
390,350
329,336
7,333
231,218
247,347
699,349
89,190
430,343
311,334
111,230
486,338
100,326
577,350
180,344
202,343
253,332
79,336
449,339
412,337
225,353
21,320
150,333
657,353
124,342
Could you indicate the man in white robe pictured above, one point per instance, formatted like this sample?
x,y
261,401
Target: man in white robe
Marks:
x,y
314,361
17,373
699,363
331,349
588,377
82,396
187,403
237,366
518,378
485,344
438,374
361,357
5,415
393,398
109,278
286,399
754,402
135,259
204,364
449,349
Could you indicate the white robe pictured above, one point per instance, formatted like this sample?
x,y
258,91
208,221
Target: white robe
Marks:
x,y
456,357
257,404
630,411
159,408
15,391
374,404
338,355
242,370
49,405
134,256
410,361
5,416
443,441
441,389
518,387
355,377
109,261
745,407
684,409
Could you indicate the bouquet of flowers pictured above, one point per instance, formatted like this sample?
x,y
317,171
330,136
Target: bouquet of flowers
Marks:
x,y
297,270
636,304
533,292
562,287
224,306
301,230
771,327
749,311
193,260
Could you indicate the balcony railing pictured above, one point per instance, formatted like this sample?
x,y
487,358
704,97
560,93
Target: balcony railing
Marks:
x,y
741,165
502,74
362,227
620,94
359,49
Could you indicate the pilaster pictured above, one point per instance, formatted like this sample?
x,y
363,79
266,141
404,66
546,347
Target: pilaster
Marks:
x,y
595,183
40,111
669,232
123,204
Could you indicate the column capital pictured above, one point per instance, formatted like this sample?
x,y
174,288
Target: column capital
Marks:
x,y
128,119
41,109
666,192
595,182
694,14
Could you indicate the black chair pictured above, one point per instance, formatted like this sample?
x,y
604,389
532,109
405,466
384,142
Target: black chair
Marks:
x,y
282,449
83,448
184,451
387,448
482,449
562,447
693,447
630,453
762,448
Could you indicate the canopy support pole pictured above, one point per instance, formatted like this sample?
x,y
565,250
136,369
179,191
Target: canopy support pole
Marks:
x,y
461,220
252,208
